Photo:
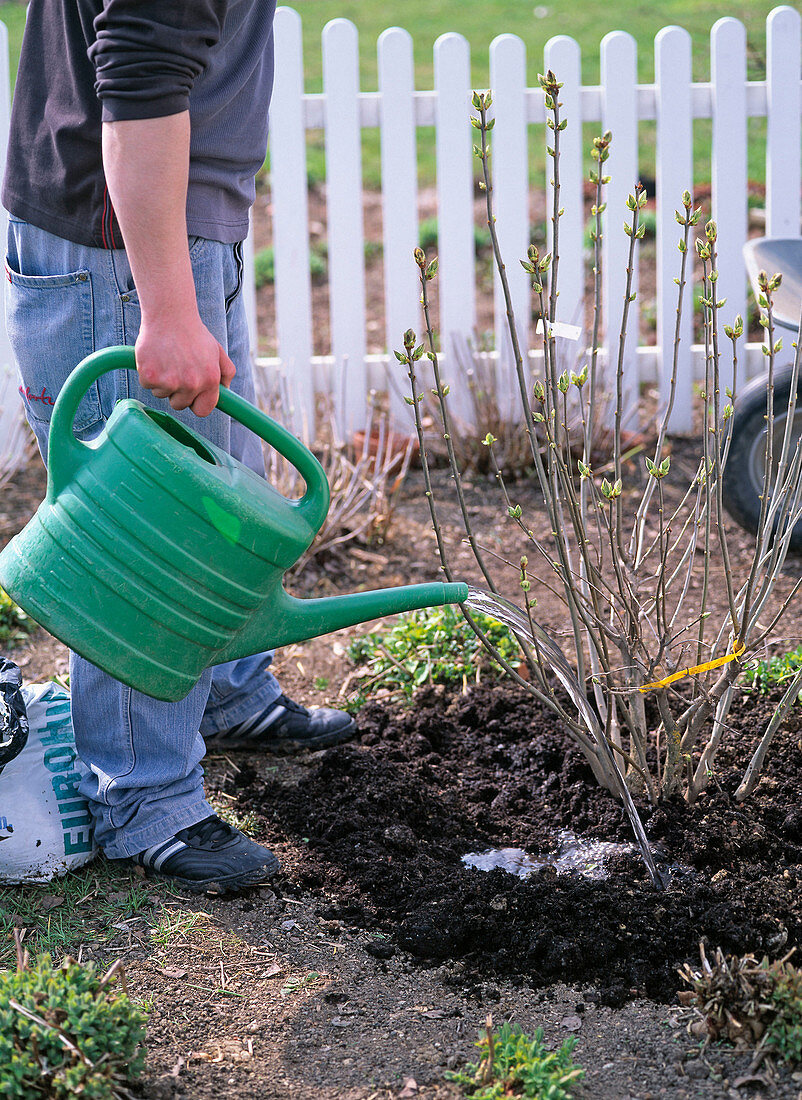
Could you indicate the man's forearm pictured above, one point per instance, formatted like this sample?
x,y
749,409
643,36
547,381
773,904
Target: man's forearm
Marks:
x,y
146,162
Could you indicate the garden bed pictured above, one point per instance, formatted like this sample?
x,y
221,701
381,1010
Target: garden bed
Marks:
x,y
367,966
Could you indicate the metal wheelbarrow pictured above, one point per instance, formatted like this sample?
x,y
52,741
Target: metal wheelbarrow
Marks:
x,y
745,474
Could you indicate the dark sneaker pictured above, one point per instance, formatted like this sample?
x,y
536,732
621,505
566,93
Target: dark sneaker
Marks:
x,y
210,857
285,728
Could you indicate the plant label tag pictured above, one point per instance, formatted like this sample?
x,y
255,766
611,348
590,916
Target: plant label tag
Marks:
x,y
559,328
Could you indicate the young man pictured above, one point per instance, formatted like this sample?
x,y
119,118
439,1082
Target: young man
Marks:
x,y
137,129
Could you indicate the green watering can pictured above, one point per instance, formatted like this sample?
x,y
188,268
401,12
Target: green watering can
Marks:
x,y
155,554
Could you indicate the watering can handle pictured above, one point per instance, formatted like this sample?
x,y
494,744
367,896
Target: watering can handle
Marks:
x,y
66,453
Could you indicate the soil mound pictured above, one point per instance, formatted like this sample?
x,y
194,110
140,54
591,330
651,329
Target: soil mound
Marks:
x,y
387,819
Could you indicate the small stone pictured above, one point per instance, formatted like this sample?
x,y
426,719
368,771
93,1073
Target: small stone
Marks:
x,y
696,1069
380,949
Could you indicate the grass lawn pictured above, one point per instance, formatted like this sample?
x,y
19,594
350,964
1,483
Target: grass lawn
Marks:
x,y
480,23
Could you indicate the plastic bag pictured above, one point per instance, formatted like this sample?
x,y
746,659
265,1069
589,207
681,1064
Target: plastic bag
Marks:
x,y
45,824
13,719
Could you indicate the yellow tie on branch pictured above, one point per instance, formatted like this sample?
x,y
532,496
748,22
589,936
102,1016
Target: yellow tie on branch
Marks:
x,y
737,650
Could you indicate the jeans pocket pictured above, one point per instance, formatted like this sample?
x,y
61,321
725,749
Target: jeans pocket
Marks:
x,y
49,320
239,267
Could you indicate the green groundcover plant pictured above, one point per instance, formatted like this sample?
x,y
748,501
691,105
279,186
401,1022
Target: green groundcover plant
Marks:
x,y
14,623
66,1032
513,1064
775,671
434,646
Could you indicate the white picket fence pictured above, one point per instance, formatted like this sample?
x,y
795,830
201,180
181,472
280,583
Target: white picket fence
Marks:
x,y
673,102
619,103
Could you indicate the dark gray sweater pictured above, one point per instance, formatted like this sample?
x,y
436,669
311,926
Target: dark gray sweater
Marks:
x,y
88,61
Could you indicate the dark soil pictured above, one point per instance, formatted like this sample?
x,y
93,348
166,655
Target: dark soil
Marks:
x,y
386,821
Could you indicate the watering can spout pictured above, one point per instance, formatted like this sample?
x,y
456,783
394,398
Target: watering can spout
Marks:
x,y
288,619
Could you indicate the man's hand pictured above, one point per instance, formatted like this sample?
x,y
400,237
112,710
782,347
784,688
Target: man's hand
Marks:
x,y
182,362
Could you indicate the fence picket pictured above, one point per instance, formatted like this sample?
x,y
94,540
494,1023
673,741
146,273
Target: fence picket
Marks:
x,y
783,182
291,222
562,55
455,224
345,228
399,203
728,77
674,175
511,198
620,116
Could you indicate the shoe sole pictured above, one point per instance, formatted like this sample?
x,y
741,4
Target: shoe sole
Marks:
x,y
285,746
233,884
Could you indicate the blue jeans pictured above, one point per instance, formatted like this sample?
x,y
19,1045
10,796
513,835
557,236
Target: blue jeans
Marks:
x,y
64,301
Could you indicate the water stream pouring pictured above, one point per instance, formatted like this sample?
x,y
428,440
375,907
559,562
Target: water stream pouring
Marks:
x,y
155,554
551,653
